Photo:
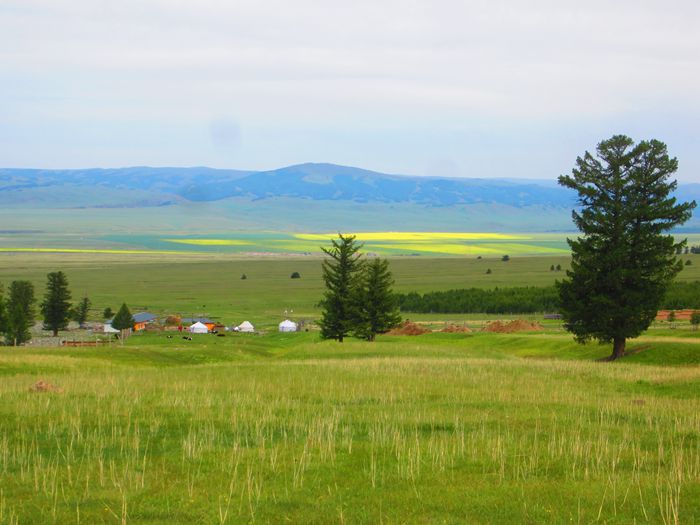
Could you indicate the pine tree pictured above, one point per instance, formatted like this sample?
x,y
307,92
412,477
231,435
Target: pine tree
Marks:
x,y
623,263
123,321
3,315
56,305
377,306
107,313
340,271
81,311
20,312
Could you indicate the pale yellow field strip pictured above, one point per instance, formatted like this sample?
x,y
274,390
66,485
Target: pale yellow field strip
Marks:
x,y
415,236
470,249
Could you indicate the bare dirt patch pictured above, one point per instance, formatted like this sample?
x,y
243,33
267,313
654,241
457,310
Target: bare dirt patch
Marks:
x,y
453,328
409,328
45,386
518,325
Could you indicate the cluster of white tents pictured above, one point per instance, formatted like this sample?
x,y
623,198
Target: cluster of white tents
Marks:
x,y
245,327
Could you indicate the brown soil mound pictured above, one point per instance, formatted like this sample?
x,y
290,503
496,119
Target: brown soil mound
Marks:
x,y
453,328
408,328
43,386
681,315
519,325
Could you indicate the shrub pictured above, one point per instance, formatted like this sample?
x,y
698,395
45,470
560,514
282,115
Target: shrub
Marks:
x,y
296,275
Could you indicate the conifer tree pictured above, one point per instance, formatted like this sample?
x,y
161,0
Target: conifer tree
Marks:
x,y
623,262
3,316
56,305
81,311
123,321
377,306
19,312
340,271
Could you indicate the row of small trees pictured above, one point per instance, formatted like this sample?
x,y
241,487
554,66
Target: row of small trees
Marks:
x,y
358,300
18,311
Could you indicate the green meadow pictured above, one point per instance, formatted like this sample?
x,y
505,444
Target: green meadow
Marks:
x,y
440,428
286,428
211,284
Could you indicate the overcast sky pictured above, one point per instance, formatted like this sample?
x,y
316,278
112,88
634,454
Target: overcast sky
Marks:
x,y
426,87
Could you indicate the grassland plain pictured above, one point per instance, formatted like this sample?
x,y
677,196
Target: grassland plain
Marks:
x,y
441,428
211,284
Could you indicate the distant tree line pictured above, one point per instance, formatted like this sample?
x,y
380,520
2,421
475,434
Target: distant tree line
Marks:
x,y
526,299
523,300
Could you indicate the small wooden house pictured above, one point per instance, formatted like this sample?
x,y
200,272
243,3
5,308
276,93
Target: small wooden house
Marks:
x,y
142,320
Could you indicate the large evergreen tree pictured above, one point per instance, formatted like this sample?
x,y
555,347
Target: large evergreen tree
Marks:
x,y
56,305
623,262
377,306
340,270
20,312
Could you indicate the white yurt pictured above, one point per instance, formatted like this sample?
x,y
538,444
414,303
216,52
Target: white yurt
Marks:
x,y
245,326
198,328
288,326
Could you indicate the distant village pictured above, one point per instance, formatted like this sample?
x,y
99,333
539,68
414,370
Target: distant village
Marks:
x,y
146,321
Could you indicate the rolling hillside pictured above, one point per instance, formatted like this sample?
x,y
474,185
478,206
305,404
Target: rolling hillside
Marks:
x,y
305,197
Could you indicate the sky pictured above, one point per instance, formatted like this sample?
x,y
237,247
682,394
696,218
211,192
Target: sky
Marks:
x,y
422,87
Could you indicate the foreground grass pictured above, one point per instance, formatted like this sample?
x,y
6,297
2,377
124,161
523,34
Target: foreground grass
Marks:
x,y
444,428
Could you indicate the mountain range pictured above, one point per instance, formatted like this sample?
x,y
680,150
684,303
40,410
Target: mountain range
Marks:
x,y
334,197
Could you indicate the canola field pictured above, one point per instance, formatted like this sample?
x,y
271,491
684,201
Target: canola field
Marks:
x,y
256,243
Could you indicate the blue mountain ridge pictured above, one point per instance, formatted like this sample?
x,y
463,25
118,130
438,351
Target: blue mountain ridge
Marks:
x,y
315,181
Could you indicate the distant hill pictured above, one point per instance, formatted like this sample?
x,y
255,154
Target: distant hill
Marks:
x,y
340,195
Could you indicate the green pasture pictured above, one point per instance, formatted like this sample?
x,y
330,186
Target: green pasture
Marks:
x,y
211,284
285,428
